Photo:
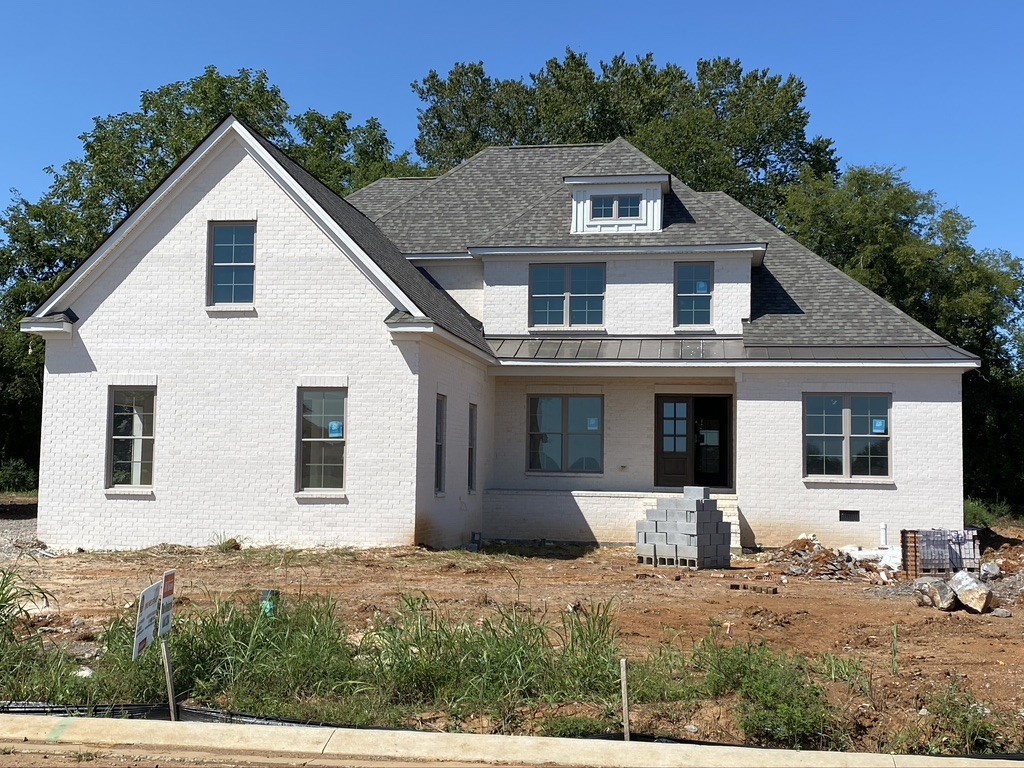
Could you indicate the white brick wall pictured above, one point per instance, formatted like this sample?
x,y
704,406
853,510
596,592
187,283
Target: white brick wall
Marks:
x,y
926,449
639,294
225,449
464,281
448,519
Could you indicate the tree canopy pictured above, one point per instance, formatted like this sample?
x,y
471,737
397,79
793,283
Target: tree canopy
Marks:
x,y
721,128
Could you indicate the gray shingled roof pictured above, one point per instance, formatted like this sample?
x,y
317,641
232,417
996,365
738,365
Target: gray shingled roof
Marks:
x,y
618,158
799,298
505,197
376,199
436,304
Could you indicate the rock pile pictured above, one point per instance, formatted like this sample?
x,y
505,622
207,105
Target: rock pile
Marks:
x,y
962,590
807,557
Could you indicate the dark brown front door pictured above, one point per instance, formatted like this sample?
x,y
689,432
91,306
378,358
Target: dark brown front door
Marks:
x,y
692,441
673,459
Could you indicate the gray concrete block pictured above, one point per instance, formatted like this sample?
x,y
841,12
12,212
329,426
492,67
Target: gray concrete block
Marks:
x,y
651,537
679,526
646,525
677,502
656,514
645,550
696,492
703,540
688,553
665,551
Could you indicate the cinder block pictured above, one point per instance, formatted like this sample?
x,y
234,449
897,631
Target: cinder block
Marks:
x,y
678,502
696,492
651,537
665,551
646,525
687,553
703,540
656,514
645,550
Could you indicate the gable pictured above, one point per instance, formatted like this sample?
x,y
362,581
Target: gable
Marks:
x,y
354,235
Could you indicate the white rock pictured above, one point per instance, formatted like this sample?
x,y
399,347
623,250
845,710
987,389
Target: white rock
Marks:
x,y
975,596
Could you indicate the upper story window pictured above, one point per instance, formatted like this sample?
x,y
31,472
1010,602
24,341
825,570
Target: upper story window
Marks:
x,y
694,286
232,262
615,207
566,295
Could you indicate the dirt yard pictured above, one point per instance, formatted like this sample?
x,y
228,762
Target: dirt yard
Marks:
x,y
854,617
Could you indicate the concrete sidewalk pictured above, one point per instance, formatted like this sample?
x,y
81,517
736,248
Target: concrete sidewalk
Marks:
x,y
326,746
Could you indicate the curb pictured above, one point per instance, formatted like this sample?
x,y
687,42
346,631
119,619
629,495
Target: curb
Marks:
x,y
339,743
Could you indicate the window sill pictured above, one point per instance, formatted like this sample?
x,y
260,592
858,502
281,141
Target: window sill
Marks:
x,y
540,473
702,330
322,494
836,480
231,310
561,330
126,492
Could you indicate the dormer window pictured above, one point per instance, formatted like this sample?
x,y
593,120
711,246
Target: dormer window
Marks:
x,y
615,207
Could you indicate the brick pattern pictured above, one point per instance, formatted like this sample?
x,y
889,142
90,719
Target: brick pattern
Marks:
x,y
685,532
639,295
226,404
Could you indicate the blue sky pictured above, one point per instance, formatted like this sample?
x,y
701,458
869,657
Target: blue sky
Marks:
x,y
928,86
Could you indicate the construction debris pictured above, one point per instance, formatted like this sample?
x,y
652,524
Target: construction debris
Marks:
x,y
939,552
975,596
806,556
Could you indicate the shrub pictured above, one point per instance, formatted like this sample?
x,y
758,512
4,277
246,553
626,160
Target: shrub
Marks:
x,y
985,514
16,476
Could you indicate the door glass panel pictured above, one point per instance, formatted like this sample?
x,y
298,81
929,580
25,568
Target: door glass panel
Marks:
x,y
668,410
667,443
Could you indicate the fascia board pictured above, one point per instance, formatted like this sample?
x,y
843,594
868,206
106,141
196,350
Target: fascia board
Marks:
x,y
640,178
47,330
756,250
685,364
424,329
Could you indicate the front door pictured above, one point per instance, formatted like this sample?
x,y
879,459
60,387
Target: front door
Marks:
x,y
673,464
691,441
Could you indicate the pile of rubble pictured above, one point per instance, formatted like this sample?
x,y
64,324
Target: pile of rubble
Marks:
x,y
806,556
962,590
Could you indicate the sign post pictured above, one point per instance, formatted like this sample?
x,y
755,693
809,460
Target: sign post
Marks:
x,y
166,615
156,610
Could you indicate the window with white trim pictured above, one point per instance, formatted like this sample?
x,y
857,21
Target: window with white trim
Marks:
x,y
613,207
132,436
322,439
847,435
694,286
566,433
232,265
566,295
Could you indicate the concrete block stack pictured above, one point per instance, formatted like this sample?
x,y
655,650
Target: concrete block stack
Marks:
x,y
684,532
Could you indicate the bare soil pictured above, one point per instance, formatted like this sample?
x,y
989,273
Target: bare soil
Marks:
x,y
851,617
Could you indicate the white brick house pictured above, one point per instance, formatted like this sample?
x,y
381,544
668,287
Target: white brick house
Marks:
x,y
535,345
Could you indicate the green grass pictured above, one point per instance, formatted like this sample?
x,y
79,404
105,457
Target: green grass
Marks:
x,y
519,669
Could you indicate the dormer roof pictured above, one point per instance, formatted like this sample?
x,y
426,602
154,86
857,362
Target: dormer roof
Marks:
x,y
618,158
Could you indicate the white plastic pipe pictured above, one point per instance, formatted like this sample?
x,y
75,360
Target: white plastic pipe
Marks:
x,y
883,535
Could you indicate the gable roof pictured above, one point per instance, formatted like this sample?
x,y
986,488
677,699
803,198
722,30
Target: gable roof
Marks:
x,y
619,158
390,270
379,197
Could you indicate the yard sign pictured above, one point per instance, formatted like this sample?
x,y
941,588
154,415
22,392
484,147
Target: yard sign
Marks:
x,y
145,625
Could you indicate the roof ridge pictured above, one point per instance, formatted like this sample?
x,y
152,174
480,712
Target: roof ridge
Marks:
x,y
526,211
850,280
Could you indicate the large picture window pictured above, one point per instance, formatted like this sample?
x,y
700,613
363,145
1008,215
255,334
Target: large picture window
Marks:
x,y
566,295
232,262
847,435
322,438
131,436
566,433
694,286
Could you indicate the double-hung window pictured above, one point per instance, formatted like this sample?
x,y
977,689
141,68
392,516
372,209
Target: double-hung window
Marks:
x,y
440,433
694,285
608,207
566,433
471,457
847,435
232,262
566,295
322,439
131,436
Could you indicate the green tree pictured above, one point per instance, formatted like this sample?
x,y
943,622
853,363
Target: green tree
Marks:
x,y
124,157
902,244
741,132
